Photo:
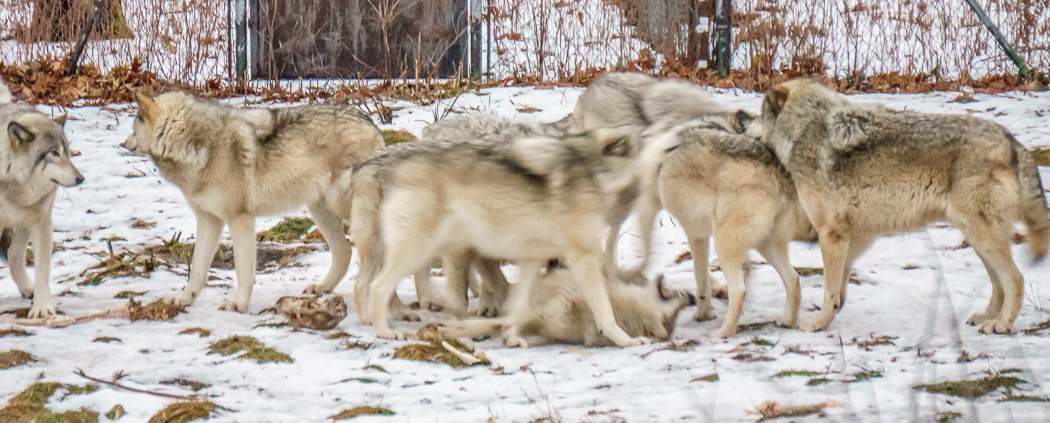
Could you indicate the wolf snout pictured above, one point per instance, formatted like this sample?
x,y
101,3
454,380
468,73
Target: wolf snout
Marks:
x,y
78,180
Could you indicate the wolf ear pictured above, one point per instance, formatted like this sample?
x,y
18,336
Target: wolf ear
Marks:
x,y
61,120
618,147
776,98
149,110
19,135
742,119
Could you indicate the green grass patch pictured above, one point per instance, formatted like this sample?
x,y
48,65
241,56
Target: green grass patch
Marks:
x,y
291,229
972,389
760,341
947,416
809,271
789,373
29,406
1025,398
127,295
252,348
816,381
15,358
361,410
376,367
398,136
753,326
867,375
116,412
336,335
106,339
182,412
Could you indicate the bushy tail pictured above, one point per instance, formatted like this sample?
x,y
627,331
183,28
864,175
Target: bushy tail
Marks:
x,y
5,243
5,97
472,328
1036,212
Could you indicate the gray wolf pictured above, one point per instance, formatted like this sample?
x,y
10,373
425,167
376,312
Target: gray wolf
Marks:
x,y
234,164
643,107
558,311
359,192
866,171
35,153
731,186
526,201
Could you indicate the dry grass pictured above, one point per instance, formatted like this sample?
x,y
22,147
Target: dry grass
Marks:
x,y
972,389
398,136
15,358
252,350
182,412
118,266
29,406
158,310
13,332
433,352
203,333
361,410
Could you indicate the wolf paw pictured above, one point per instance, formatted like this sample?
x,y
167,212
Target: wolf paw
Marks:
x,y
314,289
814,326
724,333
432,305
996,326
702,315
515,342
41,309
978,318
390,334
234,306
786,321
185,299
26,292
634,342
488,311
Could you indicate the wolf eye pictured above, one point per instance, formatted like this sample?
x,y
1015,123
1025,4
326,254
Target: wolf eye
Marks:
x,y
54,153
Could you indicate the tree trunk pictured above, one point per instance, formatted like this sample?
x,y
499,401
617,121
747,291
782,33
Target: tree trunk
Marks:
x,y
63,20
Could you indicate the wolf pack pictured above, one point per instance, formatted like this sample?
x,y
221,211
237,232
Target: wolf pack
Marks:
x,y
479,192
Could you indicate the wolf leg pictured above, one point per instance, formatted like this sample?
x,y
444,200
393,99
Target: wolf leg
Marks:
x,y
995,304
209,228
587,270
519,302
457,272
494,287
834,247
242,230
43,305
777,256
698,248
331,227
732,254
424,290
17,260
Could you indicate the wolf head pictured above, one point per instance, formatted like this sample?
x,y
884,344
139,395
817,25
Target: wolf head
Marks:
x,y
39,151
791,106
157,115
668,302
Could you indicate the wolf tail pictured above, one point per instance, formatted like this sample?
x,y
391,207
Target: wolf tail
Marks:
x,y
1036,213
5,97
473,328
5,243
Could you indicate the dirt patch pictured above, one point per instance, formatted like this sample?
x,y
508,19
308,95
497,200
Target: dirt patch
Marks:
x,y
182,412
160,309
252,348
188,384
361,410
1042,156
15,358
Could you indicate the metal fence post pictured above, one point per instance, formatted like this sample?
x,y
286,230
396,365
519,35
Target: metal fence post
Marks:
x,y
241,42
723,36
1005,45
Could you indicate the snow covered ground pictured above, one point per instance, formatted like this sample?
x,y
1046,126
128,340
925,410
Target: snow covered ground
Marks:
x,y
917,288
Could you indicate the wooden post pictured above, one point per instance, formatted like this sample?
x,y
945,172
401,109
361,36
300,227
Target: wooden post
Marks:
x,y
723,36
1005,45
475,39
692,55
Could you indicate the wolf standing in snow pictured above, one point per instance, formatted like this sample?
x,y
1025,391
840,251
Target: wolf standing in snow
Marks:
x,y
866,171
35,162
234,164
643,106
558,310
527,201
720,183
358,194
